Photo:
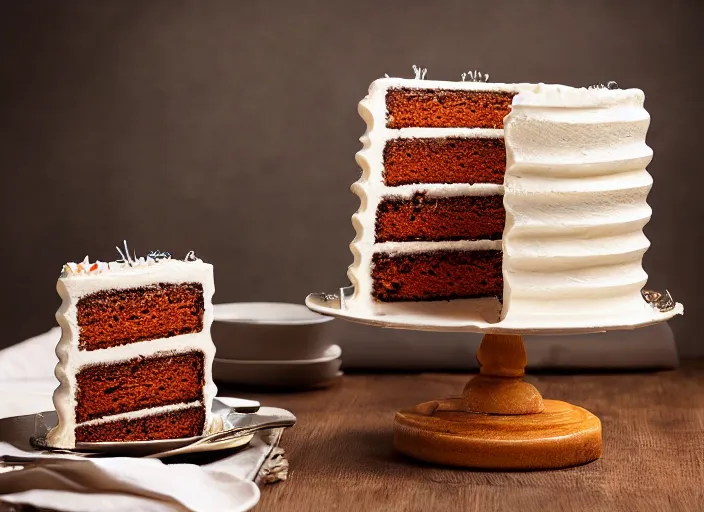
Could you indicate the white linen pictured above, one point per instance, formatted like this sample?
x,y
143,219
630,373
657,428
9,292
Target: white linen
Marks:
x,y
119,483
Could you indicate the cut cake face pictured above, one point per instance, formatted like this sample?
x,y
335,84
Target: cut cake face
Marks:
x,y
135,355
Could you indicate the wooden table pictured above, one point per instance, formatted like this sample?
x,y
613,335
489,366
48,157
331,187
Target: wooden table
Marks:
x,y
342,459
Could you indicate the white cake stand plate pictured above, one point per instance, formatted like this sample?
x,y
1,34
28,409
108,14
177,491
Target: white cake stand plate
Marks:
x,y
475,315
499,421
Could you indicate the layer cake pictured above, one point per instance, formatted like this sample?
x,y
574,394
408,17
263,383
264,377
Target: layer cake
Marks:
x,y
528,197
135,354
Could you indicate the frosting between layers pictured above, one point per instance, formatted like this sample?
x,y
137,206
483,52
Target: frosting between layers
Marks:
x,y
371,190
421,133
142,413
74,286
454,245
575,194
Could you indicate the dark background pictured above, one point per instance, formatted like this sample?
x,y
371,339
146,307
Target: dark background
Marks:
x,y
230,127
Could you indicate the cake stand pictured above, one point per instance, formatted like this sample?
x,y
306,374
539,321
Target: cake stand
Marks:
x,y
499,421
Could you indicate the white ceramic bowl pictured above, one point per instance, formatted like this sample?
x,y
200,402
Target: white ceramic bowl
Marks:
x,y
280,374
269,331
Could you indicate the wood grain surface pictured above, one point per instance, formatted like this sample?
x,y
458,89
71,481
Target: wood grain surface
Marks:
x,y
342,459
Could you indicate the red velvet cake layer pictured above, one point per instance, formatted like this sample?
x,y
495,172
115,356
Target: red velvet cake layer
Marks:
x,y
168,425
446,108
444,160
117,317
426,218
437,275
140,383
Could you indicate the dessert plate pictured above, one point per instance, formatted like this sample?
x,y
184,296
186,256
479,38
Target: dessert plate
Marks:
x,y
280,374
261,331
474,315
238,420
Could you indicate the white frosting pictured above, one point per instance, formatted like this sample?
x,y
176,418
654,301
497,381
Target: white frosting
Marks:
x,y
118,275
371,189
128,264
142,413
381,85
575,199
455,245
419,133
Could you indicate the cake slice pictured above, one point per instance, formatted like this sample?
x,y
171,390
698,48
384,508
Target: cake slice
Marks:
x,y
135,354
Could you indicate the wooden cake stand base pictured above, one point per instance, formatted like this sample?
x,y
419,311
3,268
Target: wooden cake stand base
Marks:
x,y
499,422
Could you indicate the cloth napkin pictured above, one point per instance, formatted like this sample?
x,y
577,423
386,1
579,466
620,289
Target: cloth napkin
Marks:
x,y
75,483
121,483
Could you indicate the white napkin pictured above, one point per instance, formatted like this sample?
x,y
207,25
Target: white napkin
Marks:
x,y
143,484
64,482
31,359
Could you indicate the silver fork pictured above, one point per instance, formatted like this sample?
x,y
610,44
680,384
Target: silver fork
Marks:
x,y
245,431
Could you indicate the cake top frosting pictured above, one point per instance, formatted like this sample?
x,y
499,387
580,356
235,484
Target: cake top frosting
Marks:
x,y
564,96
473,75
600,95
127,262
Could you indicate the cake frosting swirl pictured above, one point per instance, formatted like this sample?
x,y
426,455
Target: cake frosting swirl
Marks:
x,y
575,196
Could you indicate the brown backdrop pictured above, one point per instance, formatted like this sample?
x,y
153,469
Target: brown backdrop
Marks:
x,y
230,127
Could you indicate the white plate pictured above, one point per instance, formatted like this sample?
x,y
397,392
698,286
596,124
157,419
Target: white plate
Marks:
x,y
267,313
35,425
467,316
330,353
269,331
280,374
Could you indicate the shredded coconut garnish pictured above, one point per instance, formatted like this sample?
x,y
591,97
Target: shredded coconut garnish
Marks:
x,y
419,72
159,255
126,260
126,256
611,85
83,268
475,76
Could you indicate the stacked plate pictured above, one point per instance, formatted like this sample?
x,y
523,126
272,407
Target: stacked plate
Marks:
x,y
273,345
